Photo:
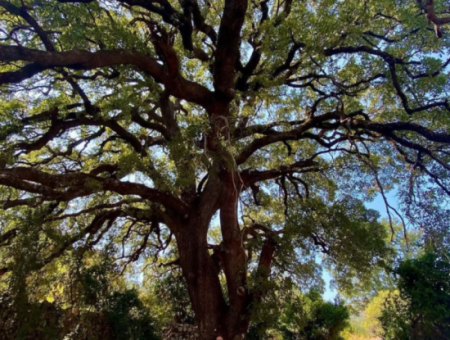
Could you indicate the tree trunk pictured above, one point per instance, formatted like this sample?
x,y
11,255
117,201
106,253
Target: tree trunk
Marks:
x,y
203,283
215,317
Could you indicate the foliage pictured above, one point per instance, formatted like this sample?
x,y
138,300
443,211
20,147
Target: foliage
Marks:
x,y
171,291
422,310
305,317
387,304
83,303
366,324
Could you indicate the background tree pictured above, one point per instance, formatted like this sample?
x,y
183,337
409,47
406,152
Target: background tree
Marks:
x,y
309,317
366,324
170,292
143,124
422,309
74,298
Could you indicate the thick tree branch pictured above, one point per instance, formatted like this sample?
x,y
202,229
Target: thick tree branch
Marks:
x,y
84,60
228,46
64,187
434,19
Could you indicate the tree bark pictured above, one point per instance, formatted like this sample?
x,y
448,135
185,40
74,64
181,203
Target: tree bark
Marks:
x,y
201,277
199,269
216,315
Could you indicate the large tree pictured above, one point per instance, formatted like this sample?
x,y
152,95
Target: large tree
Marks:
x,y
149,122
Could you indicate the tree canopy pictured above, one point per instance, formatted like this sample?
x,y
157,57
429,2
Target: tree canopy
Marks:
x,y
235,140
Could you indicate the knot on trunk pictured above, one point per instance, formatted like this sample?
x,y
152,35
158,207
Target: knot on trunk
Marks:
x,y
241,291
